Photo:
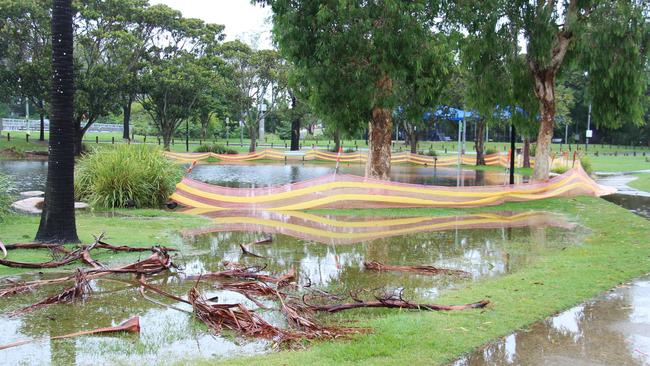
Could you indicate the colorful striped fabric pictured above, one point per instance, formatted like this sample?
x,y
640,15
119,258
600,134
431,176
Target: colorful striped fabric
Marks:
x,y
349,191
355,157
350,230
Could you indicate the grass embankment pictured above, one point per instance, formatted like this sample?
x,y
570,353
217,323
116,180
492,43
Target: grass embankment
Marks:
x,y
617,249
642,183
122,227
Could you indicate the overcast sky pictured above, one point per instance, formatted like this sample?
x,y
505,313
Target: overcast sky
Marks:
x,y
242,20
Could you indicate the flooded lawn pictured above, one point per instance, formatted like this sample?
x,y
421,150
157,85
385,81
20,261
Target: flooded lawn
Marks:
x,y
264,175
26,175
612,329
483,245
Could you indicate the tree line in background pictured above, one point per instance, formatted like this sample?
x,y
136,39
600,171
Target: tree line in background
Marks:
x,y
360,69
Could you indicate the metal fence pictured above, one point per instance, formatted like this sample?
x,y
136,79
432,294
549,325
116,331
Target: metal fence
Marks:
x,y
14,124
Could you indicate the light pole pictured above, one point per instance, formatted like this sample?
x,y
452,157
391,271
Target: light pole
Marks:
x,y
588,133
27,115
241,133
262,112
227,127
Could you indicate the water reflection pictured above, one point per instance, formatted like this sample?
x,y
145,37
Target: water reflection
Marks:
x,y
612,329
264,175
639,205
171,335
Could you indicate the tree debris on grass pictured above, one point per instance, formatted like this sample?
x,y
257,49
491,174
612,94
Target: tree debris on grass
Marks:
x,y
429,270
131,326
78,291
393,301
157,262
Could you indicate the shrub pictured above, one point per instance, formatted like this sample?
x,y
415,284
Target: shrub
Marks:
x,y
586,164
560,169
431,152
215,148
126,176
490,151
5,196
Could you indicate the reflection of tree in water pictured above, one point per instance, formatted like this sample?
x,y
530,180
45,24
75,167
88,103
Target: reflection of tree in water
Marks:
x,y
584,335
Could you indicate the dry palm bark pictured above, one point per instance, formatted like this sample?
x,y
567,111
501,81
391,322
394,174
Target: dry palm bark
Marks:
x,y
430,270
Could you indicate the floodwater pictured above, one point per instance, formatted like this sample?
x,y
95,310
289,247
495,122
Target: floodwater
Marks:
x,y
264,175
612,329
26,175
484,249
31,175
639,205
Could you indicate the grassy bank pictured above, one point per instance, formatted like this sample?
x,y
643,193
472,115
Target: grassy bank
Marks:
x,y
122,227
616,249
642,183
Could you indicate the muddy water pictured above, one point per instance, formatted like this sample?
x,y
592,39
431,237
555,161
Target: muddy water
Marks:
x,y
612,329
172,335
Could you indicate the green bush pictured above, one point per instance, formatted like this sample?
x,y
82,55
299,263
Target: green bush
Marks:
x,y
586,165
490,151
560,169
5,196
431,152
126,176
215,148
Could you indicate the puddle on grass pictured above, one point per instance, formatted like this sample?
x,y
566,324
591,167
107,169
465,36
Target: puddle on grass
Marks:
x,y
175,336
25,175
611,329
264,175
639,205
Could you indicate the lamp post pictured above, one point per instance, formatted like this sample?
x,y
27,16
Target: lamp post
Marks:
x,y
588,133
187,135
262,112
227,126
27,115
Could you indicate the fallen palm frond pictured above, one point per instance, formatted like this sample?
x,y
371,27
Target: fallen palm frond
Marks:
x,y
249,289
300,316
248,252
77,292
132,326
250,273
34,246
158,261
394,301
125,248
67,259
235,317
430,270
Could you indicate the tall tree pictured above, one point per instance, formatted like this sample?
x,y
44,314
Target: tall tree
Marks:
x,y
608,39
58,217
26,43
354,55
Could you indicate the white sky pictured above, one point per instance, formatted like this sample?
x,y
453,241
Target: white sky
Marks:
x,y
243,20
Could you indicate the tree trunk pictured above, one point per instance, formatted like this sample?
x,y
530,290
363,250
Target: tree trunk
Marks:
x,y
167,133
126,114
379,135
526,152
480,141
295,127
252,131
41,136
58,216
337,140
413,142
545,93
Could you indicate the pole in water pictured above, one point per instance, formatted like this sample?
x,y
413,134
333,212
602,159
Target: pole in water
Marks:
x,y
512,154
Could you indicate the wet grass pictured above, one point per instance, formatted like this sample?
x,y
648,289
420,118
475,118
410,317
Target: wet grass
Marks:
x,y
616,250
642,183
122,227
619,163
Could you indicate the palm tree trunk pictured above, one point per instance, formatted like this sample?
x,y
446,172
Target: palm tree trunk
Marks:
x,y
58,217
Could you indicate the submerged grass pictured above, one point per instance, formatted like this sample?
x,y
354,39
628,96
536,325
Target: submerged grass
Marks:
x,y
616,250
642,183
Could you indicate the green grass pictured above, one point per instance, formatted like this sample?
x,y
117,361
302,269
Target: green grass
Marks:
x,y
122,227
616,249
619,163
642,183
